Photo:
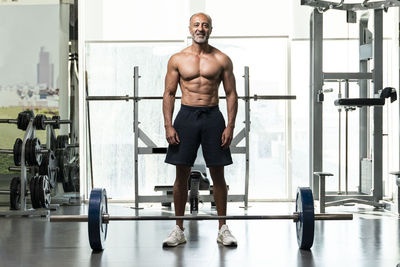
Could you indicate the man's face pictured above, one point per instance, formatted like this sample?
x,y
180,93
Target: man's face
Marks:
x,y
200,29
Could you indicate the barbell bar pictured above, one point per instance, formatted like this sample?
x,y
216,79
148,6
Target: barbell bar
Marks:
x,y
18,169
49,121
10,151
138,98
40,121
33,151
106,217
98,218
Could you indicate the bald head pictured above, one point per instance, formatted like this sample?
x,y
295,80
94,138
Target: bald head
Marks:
x,y
201,14
200,27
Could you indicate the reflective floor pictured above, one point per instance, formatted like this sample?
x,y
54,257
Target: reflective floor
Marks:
x,y
371,239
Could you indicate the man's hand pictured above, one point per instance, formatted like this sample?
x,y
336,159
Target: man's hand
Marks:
x,y
172,136
227,137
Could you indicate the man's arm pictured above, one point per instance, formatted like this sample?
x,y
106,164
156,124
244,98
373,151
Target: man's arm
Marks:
x,y
171,85
228,80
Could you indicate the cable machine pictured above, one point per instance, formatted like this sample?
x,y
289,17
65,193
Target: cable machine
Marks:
x,y
370,190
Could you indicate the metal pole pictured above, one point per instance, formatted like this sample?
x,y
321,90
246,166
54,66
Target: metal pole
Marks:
x,y
106,217
322,199
127,98
363,93
340,141
316,83
377,113
8,121
288,130
89,131
203,217
6,151
247,134
10,151
48,137
28,133
346,166
136,132
108,98
18,169
60,121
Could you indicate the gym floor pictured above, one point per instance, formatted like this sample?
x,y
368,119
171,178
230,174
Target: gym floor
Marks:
x,y
371,239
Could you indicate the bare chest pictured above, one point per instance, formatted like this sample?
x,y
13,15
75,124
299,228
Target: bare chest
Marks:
x,y
195,67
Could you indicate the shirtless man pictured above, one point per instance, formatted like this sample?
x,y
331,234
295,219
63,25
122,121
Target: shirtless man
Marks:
x,y
199,69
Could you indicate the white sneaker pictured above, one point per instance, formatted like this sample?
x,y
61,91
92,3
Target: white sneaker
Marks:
x,y
176,237
225,237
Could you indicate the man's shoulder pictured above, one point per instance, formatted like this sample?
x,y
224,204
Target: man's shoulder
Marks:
x,y
216,51
175,59
180,54
220,56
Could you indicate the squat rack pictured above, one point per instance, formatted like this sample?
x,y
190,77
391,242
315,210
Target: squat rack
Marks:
x,y
152,148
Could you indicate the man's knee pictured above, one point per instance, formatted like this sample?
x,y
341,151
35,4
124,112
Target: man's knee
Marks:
x,y
217,174
217,170
182,173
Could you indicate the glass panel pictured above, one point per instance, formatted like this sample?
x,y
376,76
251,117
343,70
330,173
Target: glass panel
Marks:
x,y
300,71
112,147
29,69
266,58
109,68
110,72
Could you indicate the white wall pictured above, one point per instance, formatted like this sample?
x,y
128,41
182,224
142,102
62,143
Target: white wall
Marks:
x,y
251,17
167,20
135,19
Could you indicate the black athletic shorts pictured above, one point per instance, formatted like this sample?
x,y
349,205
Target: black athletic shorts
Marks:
x,y
195,126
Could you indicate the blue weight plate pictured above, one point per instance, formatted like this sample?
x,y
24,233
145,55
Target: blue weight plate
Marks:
x,y
305,224
96,228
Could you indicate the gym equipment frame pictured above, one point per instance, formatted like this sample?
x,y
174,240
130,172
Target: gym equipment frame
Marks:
x,y
368,48
152,148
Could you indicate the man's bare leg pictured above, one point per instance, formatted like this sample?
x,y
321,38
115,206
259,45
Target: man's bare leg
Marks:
x,y
181,191
220,191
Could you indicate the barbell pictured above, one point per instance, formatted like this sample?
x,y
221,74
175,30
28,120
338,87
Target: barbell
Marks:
x,y
138,98
34,150
40,121
98,218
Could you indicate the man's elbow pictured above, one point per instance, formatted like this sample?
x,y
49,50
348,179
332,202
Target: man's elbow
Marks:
x,y
231,94
169,93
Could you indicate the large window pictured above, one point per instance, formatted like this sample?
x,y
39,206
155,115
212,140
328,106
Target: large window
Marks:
x,y
276,48
110,70
299,157
266,58
29,67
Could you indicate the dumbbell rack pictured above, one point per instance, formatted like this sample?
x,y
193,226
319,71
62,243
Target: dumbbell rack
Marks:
x,y
23,211
28,123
